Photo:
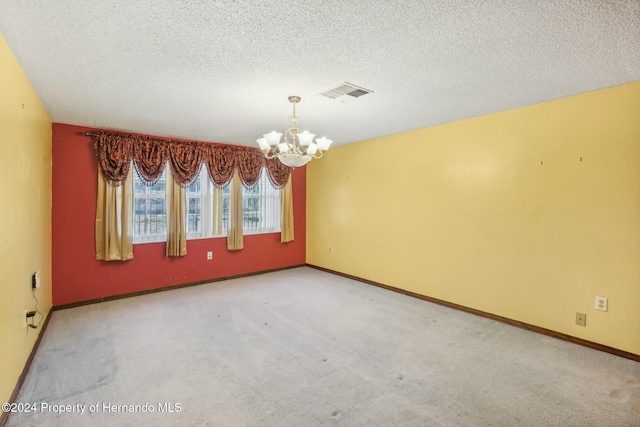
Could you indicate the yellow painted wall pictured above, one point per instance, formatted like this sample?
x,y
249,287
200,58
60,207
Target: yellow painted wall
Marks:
x,y
25,215
497,213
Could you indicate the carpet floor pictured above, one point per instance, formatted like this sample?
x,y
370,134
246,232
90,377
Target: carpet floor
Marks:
x,y
302,347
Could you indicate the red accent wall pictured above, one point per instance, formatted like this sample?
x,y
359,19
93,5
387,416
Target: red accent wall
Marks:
x,y
77,276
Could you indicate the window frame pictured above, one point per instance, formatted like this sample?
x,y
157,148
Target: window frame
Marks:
x,y
206,207
266,191
148,195
268,194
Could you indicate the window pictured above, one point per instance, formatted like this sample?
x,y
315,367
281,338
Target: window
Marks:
x,y
261,207
150,211
207,209
197,197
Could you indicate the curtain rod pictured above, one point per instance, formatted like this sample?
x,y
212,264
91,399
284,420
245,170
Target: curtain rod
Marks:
x,y
96,133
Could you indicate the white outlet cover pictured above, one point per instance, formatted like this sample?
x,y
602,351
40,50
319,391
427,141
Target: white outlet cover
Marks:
x,y
601,303
209,255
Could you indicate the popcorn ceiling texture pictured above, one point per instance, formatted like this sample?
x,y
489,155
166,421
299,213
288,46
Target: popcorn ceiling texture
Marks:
x,y
222,70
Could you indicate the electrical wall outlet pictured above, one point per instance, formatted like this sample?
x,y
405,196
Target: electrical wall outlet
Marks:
x,y
601,303
581,319
330,249
209,255
35,280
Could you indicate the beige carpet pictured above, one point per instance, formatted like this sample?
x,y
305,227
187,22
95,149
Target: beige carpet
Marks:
x,y
306,348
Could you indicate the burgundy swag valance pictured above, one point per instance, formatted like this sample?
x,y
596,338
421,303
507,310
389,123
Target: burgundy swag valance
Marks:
x,y
150,155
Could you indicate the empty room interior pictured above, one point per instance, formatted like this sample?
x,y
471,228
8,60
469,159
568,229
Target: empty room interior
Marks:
x,y
303,213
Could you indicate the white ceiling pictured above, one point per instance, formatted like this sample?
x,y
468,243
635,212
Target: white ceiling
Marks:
x,y
221,70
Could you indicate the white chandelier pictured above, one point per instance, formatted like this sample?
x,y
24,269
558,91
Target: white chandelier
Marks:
x,y
296,148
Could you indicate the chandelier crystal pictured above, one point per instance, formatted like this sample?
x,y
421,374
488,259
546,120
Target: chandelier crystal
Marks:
x,y
296,148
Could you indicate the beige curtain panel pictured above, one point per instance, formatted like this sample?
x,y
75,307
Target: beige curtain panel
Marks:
x,y
235,240
176,217
286,212
216,208
114,220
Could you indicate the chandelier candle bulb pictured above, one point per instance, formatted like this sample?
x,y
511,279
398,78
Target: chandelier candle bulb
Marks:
x,y
284,148
306,138
264,145
323,143
296,148
273,138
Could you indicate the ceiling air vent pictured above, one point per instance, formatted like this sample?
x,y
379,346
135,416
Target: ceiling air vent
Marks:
x,y
345,92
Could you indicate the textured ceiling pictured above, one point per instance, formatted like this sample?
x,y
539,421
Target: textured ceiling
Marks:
x,y
221,70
